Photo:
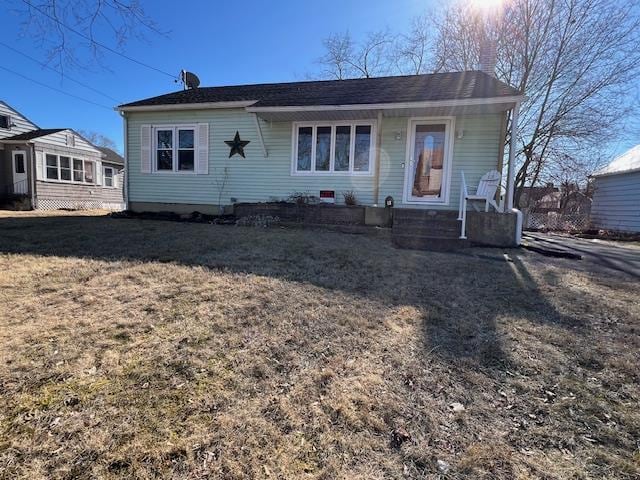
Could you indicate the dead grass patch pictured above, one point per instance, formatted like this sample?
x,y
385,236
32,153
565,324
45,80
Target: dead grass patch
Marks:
x,y
147,349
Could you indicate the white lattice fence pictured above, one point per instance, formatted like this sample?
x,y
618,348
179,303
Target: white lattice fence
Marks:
x,y
556,221
58,204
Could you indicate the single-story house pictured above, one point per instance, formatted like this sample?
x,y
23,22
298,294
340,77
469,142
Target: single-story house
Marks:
x,y
616,196
413,141
55,168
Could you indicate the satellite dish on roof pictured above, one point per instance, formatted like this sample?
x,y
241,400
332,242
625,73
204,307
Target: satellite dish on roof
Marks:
x,y
190,80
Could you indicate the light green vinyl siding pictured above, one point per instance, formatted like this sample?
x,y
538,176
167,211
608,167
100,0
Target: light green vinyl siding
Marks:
x,y
475,153
257,179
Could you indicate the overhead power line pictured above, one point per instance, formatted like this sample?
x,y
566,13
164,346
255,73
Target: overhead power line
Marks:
x,y
93,41
59,72
55,89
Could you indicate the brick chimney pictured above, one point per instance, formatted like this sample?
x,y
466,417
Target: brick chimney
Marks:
x,y
488,57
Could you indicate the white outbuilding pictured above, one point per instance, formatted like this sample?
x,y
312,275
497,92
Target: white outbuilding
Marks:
x,y
616,199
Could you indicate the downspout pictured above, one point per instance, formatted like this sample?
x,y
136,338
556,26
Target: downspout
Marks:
x,y
33,177
126,162
378,156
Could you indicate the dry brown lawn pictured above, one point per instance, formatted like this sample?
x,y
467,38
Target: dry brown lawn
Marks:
x,y
143,349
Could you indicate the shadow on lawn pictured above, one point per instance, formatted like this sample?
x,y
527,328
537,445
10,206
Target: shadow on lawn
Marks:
x,y
461,296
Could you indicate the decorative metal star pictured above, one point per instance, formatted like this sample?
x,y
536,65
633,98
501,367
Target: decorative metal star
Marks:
x,y
237,145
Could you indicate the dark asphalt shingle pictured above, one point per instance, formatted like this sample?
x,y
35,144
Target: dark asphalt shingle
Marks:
x,y
410,88
111,156
41,132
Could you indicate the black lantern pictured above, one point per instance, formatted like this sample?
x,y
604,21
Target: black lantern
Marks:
x,y
388,202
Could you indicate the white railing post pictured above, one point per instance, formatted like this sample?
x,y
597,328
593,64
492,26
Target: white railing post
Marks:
x,y
462,208
511,172
462,189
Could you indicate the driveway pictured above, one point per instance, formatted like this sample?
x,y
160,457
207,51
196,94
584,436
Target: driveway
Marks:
x,y
602,253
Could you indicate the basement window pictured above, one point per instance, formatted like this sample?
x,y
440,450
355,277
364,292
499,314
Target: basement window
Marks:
x,y
333,148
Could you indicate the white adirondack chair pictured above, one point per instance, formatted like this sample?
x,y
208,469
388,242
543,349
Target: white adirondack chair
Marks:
x,y
485,192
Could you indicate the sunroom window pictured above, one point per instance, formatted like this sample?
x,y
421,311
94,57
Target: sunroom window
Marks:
x,y
333,148
67,169
52,167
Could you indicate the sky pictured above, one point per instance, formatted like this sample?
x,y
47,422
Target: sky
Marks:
x,y
231,42
223,42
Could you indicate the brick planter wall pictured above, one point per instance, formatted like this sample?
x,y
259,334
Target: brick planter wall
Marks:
x,y
321,214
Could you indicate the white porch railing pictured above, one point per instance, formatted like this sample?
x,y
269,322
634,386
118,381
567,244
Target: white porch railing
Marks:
x,y
485,192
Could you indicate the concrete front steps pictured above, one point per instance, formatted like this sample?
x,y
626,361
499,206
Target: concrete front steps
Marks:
x,y
435,230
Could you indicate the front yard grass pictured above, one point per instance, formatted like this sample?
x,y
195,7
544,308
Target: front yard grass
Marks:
x,y
149,349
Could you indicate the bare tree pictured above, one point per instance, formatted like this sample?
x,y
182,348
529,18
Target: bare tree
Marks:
x,y
336,62
99,139
345,58
413,51
461,30
575,60
68,29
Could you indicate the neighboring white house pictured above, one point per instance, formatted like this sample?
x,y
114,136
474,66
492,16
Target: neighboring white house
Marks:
x,y
55,168
616,200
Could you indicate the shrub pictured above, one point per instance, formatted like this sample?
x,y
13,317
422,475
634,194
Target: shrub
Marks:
x,y
303,198
350,198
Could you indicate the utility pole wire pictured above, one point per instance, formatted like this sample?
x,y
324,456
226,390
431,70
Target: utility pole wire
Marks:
x,y
59,72
55,89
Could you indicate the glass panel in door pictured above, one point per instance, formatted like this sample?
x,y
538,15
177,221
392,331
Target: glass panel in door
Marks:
x,y
428,161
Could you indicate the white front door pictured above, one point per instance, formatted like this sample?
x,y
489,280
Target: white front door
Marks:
x,y
20,182
428,170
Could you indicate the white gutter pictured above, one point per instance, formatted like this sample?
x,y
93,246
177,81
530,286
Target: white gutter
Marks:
x,y
390,106
608,174
19,142
247,105
186,106
126,162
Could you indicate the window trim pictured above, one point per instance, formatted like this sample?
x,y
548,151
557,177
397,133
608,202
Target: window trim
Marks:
x,y
175,148
71,158
113,177
450,128
331,172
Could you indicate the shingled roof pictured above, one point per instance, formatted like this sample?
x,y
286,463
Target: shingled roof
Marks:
x,y
111,156
360,91
41,132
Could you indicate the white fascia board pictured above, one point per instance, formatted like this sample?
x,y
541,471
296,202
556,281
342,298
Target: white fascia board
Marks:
x,y
605,174
187,106
388,106
19,142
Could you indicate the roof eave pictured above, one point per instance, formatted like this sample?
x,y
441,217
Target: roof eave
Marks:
x,y
185,106
391,106
249,105
609,174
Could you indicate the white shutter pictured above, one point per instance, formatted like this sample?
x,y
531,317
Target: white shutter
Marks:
x,y
145,148
116,175
39,166
202,154
98,172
